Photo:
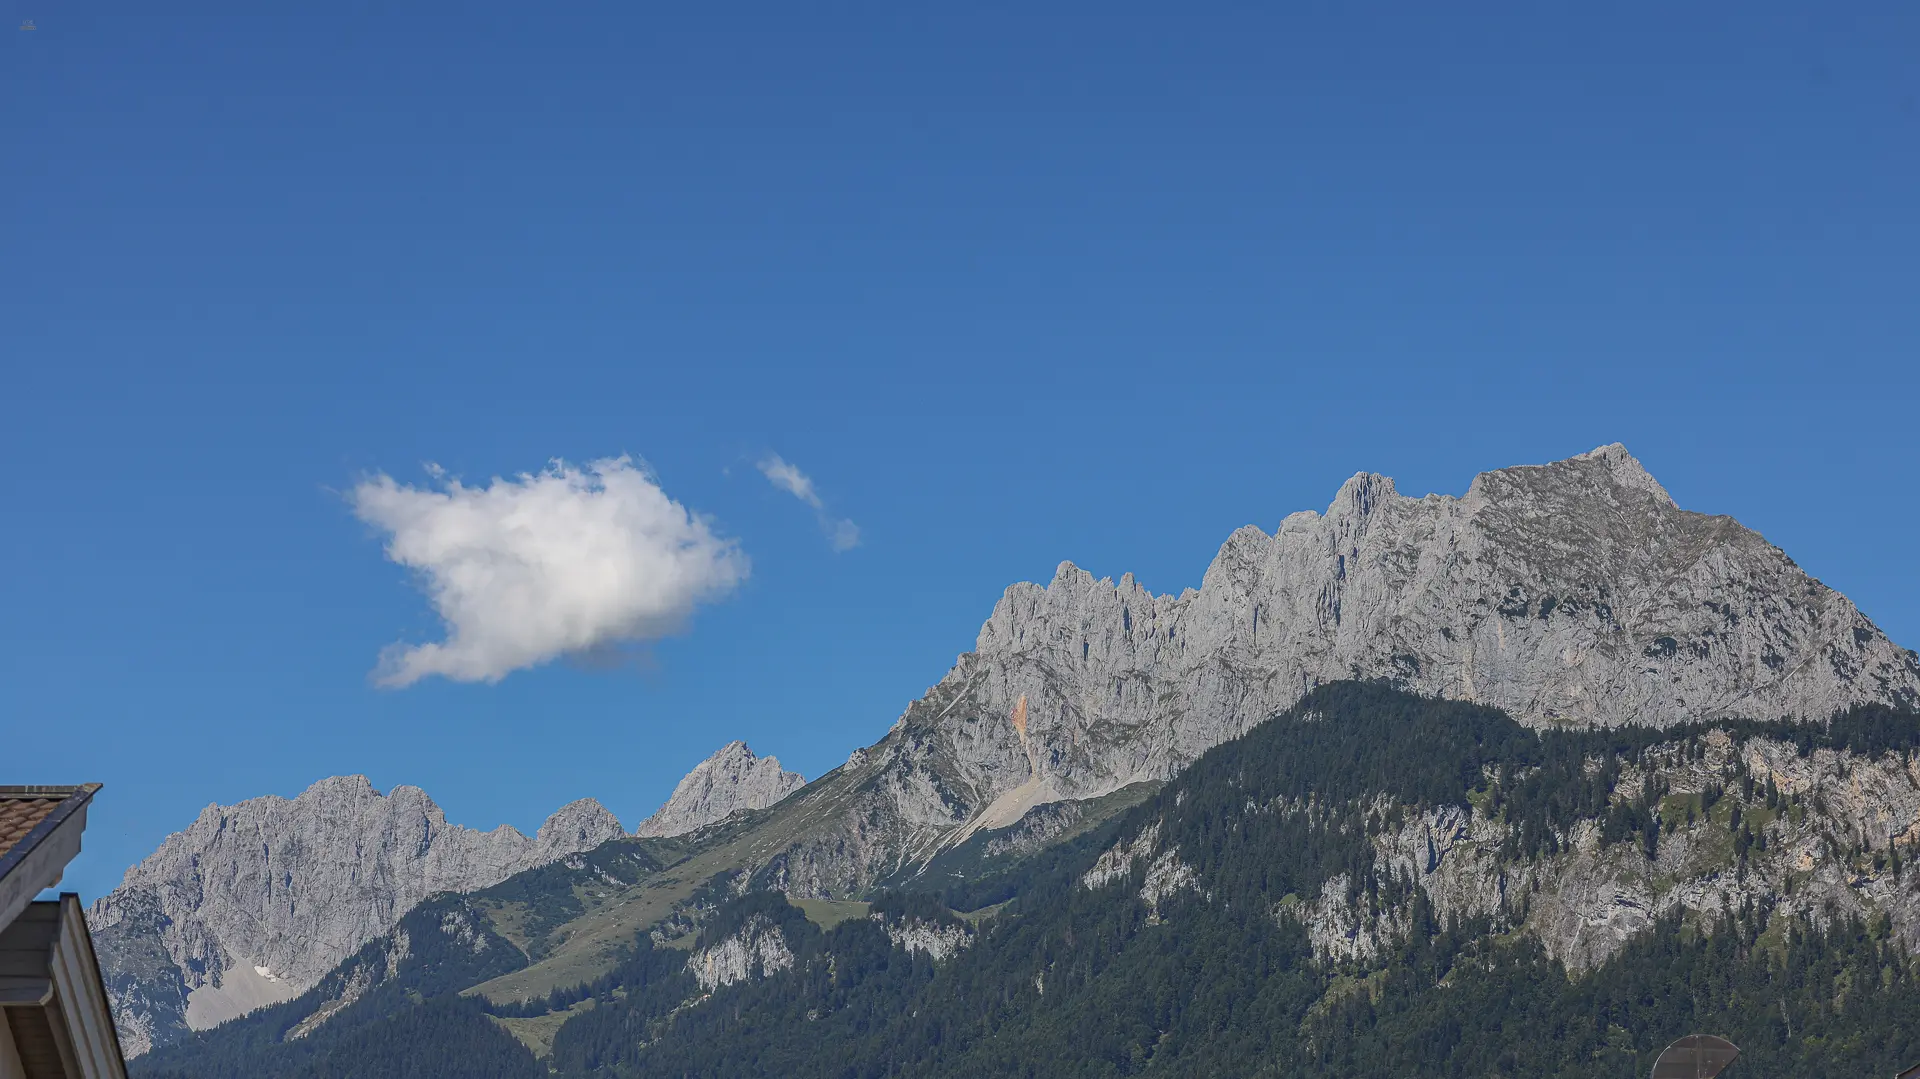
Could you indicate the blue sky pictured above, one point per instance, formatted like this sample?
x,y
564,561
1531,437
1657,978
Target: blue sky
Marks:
x,y
1100,284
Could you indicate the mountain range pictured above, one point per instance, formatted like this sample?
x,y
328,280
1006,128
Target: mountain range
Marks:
x,y
253,903
1570,599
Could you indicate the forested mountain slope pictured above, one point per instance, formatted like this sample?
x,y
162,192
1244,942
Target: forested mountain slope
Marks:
x,y
1373,881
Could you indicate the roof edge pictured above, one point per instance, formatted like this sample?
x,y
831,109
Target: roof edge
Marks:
x,y
75,912
73,799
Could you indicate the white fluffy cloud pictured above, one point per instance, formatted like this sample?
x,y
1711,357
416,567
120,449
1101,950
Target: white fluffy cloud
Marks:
x,y
523,570
842,533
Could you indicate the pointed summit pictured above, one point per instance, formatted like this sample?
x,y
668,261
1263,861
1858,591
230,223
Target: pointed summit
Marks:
x,y
581,824
731,780
1361,494
1626,470
1606,475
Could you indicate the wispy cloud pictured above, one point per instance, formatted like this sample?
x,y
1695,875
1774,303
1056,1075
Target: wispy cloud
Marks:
x,y
567,561
841,532
791,480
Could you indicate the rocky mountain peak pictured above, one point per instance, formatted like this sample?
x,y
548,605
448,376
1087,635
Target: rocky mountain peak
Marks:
x,y
1626,470
254,902
1363,493
1609,474
579,825
732,780
1575,592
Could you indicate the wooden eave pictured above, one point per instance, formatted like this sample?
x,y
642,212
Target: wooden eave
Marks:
x,y
53,1002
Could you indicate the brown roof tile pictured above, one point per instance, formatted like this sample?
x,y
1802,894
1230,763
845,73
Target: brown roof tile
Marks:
x,y
22,809
18,815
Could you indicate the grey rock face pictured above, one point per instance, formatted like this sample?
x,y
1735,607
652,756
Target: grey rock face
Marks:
x,y
755,950
1166,873
939,941
1570,592
255,902
1573,592
731,780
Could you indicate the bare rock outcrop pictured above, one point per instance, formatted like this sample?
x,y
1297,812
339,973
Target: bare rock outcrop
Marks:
x,y
253,903
939,941
756,949
731,780
1574,592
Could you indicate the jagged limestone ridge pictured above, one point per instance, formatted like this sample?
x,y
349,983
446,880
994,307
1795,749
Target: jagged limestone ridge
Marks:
x,y
731,780
1573,592
254,902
